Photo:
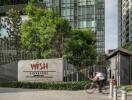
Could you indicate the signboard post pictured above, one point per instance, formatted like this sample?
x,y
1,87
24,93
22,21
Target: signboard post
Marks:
x,y
40,70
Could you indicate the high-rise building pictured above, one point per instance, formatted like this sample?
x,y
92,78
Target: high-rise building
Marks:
x,y
82,14
124,22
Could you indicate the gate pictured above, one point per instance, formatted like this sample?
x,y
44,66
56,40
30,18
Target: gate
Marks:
x,y
71,73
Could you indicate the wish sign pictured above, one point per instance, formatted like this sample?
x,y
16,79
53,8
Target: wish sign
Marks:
x,y
42,70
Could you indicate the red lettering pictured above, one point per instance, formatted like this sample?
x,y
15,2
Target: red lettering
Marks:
x,y
39,66
45,66
34,66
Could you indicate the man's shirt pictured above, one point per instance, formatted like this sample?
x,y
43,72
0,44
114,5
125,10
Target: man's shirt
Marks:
x,y
101,76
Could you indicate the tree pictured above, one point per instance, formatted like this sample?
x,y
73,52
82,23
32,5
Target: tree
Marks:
x,y
52,36
37,32
128,46
80,48
63,30
44,31
12,25
102,60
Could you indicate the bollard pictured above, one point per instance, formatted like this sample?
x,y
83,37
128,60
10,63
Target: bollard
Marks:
x,y
111,90
115,93
124,95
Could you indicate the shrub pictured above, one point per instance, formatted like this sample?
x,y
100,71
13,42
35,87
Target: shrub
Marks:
x,y
46,85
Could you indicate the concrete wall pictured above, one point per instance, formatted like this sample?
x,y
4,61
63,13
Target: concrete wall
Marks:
x,y
8,72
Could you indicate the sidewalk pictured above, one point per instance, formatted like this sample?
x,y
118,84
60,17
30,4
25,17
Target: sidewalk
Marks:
x,y
31,94
129,96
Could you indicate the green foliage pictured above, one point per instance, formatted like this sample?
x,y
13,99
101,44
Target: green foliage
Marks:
x,y
44,31
80,47
38,31
12,24
62,31
102,60
128,46
52,36
51,85
128,88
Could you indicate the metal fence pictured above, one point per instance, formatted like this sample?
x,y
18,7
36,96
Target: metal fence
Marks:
x,y
71,73
9,55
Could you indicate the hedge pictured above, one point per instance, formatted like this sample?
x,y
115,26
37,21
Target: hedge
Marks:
x,y
129,88
50,85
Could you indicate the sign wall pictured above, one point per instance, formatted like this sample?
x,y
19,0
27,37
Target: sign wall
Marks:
x,y
41,70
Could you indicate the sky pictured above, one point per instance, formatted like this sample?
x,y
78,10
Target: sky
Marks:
x,y
110,24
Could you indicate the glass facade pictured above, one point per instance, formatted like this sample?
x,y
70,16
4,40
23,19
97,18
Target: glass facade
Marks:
x,y
53,4
100,24
86,16
12,2
82,14
67,10
124,22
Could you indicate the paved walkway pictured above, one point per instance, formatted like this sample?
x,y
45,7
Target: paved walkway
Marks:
x,y
36,94
31,94
129,96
